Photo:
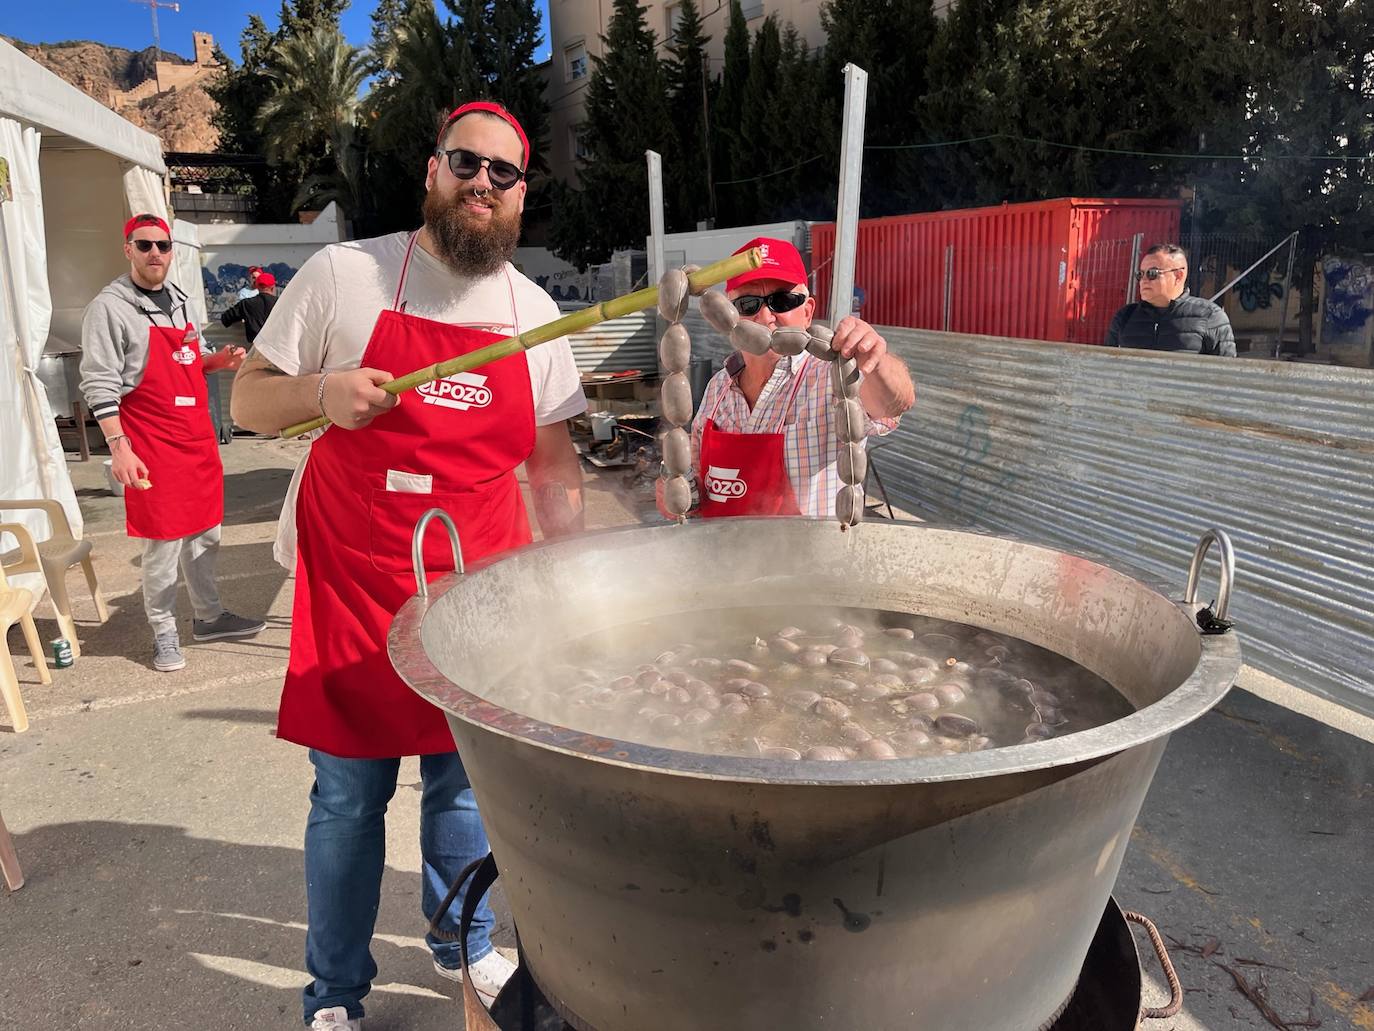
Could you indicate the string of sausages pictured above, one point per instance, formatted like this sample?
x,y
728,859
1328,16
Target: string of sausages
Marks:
x,y
674,354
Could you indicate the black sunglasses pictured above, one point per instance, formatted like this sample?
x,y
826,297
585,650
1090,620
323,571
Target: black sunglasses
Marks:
x,y
464,164
144,246
1155,273
778,302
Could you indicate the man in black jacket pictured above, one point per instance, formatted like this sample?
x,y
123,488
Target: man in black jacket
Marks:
x,y
253,311
1167,317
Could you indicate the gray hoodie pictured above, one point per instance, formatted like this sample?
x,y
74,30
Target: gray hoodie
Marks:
x,y
114,341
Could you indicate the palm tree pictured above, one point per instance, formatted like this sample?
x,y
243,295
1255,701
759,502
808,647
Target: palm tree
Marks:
x,y
313,111
426,70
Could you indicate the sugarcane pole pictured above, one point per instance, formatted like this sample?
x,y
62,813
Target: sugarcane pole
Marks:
x,y
603,311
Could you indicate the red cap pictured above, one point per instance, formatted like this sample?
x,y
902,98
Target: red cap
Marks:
x,y
266,279
139,221
253,271
781,261
491,109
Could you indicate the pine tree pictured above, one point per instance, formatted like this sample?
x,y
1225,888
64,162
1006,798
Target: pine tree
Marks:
x,y
387,15
890,40
685,73
627,114
752,150
727,111
239,95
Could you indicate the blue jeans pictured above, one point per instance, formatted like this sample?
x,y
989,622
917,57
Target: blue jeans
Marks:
x,y
345,852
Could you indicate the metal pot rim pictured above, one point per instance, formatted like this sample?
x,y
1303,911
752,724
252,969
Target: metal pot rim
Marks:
x,y
1218,665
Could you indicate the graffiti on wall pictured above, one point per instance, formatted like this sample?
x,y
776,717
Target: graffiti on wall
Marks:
x,y
1260,289
222,284
1349,299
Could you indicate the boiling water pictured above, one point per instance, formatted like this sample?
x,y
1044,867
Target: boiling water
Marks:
x,y
810,683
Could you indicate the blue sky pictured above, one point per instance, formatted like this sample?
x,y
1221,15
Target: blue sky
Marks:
x,y
123,23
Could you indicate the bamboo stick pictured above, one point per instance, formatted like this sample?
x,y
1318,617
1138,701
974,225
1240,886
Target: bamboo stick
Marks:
x,y
604,311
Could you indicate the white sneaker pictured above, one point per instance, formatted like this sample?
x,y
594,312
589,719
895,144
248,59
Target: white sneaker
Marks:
x,y
334,1019
489,974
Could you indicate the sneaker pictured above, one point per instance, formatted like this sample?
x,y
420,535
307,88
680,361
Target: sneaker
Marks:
x,y
167,652
227,625
489,974
334,1019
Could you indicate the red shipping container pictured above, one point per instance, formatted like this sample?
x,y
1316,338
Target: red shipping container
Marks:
x,y
1047,270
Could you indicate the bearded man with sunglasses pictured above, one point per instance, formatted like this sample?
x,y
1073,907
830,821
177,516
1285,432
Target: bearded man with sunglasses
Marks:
x,y
763,440
143,368
355,315
1167,317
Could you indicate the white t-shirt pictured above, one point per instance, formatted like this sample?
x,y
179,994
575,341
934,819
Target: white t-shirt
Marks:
x,y
323,319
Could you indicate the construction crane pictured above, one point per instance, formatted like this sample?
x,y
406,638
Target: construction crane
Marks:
x,y
154,5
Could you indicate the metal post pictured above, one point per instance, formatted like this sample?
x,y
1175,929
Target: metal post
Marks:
x,y
949,287
847,205
1287,285
656,268
1137,242
1253,266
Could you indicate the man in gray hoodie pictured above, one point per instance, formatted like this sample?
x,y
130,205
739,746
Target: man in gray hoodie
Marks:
x,y
143,369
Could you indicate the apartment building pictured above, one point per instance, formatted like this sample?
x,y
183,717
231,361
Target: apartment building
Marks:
x,y
576,28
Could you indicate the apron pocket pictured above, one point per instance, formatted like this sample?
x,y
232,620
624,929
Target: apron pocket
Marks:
x,y
391,526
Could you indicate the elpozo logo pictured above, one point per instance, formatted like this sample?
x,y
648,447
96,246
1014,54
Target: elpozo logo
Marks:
x,y
461,391
183,355
724,484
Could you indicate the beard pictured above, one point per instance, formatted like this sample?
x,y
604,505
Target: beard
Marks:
x,y
466,245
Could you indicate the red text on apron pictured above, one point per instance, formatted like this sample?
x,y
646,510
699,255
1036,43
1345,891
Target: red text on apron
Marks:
x,y
452,445
745,474
167,418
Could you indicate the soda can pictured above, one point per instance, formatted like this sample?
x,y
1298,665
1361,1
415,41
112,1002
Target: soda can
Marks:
x,y
62,653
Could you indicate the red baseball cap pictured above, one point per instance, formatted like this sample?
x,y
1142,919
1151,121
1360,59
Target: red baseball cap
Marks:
x,y
266,279
139,221
487,107
781,261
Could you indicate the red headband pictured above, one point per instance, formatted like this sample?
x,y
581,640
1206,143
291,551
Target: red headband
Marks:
x,y
139,221
491,109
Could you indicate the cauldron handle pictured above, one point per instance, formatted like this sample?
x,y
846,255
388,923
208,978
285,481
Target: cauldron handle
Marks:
x,y
1228,571
1175,988
417,548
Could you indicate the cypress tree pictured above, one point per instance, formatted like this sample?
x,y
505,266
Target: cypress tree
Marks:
x,y
685,73
627,114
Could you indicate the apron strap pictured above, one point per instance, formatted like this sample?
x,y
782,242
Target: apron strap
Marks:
x,y
510,289
399,303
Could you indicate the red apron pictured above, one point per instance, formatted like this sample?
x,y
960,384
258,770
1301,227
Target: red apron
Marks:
x,y
453,445
167,418
745,474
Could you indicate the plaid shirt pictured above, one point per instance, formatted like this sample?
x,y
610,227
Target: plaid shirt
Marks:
x,y
809,444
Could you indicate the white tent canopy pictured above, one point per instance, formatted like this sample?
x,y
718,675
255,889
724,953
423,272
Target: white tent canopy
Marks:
x,y
76,172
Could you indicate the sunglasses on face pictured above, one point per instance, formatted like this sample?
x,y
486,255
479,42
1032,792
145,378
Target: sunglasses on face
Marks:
x,y
778,302
464,164
1155,273
144,246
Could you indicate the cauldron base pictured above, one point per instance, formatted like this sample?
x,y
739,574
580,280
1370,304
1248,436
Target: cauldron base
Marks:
x,y
1107,998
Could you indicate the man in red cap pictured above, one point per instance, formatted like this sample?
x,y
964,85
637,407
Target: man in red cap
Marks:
x,y
251,288
253,311
767,421
353,316
143,366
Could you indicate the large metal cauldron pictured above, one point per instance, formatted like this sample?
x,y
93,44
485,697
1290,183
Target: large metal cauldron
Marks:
x,y
673,891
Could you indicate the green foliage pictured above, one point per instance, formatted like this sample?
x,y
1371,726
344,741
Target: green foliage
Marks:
x,y
312,113
890,40
686,186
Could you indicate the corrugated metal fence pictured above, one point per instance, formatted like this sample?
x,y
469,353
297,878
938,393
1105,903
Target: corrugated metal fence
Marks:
x,y
625,343
1131,455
